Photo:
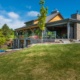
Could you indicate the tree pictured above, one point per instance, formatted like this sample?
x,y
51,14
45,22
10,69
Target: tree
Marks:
x,y
42,16
2,39
6,31
11,31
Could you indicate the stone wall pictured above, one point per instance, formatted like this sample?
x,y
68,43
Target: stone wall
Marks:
x,y
75,31
78,31
76,26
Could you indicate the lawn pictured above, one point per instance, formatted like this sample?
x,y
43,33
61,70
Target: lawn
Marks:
x,y
46,62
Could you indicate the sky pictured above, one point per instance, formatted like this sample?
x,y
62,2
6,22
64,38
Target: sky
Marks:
x,y
15,12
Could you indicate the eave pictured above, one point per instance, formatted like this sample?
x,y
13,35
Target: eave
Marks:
x,y
26,27
62,22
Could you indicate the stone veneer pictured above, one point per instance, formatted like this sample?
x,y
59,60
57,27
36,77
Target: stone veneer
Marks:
x,y
78,31
76,26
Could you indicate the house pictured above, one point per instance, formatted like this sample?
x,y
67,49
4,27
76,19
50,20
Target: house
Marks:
x,y
57,28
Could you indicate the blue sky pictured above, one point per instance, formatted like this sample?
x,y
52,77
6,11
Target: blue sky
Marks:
x,y
16,12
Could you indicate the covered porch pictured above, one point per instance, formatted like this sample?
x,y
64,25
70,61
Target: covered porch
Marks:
x,y
63,29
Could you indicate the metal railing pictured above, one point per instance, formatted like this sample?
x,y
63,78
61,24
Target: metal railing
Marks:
x,y
40,40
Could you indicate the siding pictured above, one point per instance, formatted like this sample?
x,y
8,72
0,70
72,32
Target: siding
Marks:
x,y
56,18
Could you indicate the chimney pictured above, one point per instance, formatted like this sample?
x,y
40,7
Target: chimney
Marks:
x,y
55,11
76,16
76,26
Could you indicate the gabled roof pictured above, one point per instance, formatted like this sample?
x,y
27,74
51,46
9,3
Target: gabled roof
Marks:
x,y
52,15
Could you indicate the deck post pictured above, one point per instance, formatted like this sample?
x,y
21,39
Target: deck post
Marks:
x,y
24,42
13,44
55,34
18,43
68,30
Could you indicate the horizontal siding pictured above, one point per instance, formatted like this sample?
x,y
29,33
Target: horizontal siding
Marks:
x,y
58,17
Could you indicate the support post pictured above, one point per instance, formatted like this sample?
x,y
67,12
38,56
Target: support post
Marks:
x,y
24,43
18,43
13,45
55,34
68,30
43,35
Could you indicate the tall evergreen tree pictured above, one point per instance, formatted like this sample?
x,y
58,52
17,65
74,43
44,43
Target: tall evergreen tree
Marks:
x,y
6,31
2,38
42,16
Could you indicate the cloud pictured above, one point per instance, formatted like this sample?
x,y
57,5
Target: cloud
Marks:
x,y
14,20
4,20
16,24
11,19
13,15
32,13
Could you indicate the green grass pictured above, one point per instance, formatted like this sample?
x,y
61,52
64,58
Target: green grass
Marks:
x,y
47,62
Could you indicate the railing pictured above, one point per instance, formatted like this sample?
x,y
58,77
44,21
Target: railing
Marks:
x,y
40,40
35,41
48,40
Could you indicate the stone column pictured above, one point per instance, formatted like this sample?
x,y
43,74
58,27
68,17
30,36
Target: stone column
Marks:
x,y
78,31
68,30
